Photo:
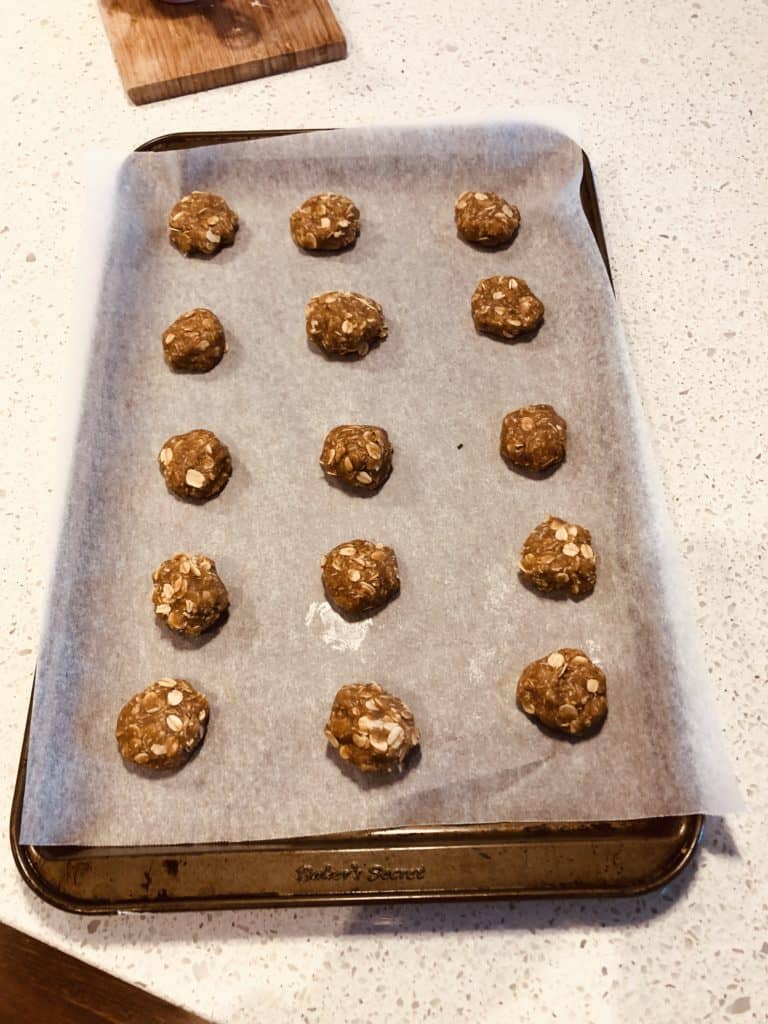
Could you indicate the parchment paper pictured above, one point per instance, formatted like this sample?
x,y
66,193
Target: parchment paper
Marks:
x,y
453,644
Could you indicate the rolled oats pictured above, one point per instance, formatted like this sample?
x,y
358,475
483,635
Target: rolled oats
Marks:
x,y
194,342
345,323
565,691
505,307
195,465
188,594
486,218
357,455
360,576
327,221
558,556
533,437
160,727
201,222
370,728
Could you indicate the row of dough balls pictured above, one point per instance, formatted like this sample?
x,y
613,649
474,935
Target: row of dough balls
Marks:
x,y
342,323
203,223
348,324
160,727
197,465
362,576
557,556
371,729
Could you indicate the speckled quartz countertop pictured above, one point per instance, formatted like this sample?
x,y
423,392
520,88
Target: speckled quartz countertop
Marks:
x,y
673,108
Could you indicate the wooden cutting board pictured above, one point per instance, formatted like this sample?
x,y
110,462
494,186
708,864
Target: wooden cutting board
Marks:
x,y
39,984
165,50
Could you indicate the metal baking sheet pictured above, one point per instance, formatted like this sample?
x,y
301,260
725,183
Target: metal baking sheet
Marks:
x,y
452,510
505,860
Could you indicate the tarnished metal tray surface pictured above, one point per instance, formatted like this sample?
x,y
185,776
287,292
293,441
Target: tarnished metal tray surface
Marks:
x,y
495,861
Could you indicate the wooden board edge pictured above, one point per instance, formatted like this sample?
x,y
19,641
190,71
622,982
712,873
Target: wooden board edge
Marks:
x,y
153,92
42,983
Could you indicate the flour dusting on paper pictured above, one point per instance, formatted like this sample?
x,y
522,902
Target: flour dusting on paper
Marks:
x,y
335,631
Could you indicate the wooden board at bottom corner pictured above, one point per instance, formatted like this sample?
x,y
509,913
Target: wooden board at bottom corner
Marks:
x,y
164,50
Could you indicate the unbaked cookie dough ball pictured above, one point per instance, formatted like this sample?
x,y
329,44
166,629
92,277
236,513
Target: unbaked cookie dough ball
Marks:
x,y
345,323
201,222
486,218
533,438
357,455
327,221
194,342
505,307
360,576
195,465
370,728
188,594
558,556
160,727
564,691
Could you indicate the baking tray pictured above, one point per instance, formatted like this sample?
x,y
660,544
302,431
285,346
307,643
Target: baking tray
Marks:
x,y
501,860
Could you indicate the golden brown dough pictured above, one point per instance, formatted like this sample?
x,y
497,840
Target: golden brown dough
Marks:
x,y
370,728
195,465
486,218
194,342
505,307
345,323
565,691
360,576
160,727
533,438
358,455
188,594
558,556
327,221
201,222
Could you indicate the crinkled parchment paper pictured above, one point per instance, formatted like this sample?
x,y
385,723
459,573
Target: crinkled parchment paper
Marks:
x,y
454,642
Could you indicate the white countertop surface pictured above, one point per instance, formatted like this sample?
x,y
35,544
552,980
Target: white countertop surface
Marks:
x,y
673,107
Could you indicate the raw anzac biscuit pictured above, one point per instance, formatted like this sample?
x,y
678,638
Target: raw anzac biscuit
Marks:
x,y
370,728
344,323
161,726
486,218
201,222
195,342
327,221
533,437
558,555
505,307
565,691
357,455
195,465
188,594
360,576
